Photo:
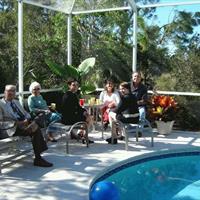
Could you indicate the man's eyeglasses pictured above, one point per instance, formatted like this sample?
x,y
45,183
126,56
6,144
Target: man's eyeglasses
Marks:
x,y
10,90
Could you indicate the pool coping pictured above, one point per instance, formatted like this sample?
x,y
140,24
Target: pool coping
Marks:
x,y
108,171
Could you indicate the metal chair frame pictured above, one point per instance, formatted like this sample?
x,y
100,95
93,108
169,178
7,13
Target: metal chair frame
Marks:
x,y
67,129
12,144
128,128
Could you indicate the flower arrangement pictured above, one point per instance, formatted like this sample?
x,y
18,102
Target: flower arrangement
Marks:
x,y
163,108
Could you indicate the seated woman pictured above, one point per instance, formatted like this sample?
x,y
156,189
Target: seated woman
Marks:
x,y
110,99
38,105
72,112
126,111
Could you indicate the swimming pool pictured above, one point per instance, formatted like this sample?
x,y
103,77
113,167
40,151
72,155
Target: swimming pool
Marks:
x,y
169,176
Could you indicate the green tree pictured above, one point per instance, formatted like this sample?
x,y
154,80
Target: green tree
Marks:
x,y
8,45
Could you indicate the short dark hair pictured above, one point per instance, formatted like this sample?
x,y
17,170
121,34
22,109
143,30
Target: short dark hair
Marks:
x,y
108,80
71,80
125,85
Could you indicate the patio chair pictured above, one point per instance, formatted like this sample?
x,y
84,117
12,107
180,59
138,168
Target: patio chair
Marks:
x,y
12,145
67,130
128,128
58,127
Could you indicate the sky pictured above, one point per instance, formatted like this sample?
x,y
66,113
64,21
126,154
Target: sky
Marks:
x,y
165,14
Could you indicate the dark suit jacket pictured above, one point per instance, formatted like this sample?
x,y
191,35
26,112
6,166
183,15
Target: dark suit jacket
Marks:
x,y
140,93
72,112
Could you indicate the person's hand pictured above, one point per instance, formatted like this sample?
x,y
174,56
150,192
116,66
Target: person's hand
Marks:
x,y
111,105
23,123
47,111
26,122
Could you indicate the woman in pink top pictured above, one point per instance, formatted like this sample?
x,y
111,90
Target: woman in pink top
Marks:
x,y
110,99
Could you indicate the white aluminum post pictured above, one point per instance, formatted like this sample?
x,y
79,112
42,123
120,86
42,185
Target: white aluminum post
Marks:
x,y
134,62
20,50
69,39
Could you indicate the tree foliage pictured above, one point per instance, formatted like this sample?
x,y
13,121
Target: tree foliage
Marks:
x,y
105,36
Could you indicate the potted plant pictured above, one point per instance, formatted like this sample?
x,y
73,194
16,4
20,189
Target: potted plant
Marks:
x,y
163,111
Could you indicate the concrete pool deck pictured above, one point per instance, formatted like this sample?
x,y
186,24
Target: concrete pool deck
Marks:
x,y
72,174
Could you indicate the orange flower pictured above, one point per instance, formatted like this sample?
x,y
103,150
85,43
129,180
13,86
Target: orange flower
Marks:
x,y
163,107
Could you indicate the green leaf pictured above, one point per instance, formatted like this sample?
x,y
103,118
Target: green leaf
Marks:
x,y
62,71
71,71
55,68
87,88
86,65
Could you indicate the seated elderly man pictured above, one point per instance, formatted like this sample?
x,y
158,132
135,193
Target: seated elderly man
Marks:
x,y
11,109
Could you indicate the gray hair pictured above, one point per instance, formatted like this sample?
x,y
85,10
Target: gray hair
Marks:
x,y
33,85
10,87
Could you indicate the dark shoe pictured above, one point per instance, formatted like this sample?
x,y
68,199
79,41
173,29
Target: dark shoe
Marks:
x,y
40,162
121,137
109,140
89,141
53,140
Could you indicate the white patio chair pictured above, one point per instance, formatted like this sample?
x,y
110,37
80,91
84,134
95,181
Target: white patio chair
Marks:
x,y
128,128
14,146
67,129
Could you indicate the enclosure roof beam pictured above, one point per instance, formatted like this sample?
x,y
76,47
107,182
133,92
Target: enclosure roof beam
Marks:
x,y
132,6
101,10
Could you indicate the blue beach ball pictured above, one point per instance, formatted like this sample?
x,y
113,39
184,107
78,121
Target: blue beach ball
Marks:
x,y
104,190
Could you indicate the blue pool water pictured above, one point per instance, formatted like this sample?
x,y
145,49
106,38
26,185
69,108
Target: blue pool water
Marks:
x,y
173,177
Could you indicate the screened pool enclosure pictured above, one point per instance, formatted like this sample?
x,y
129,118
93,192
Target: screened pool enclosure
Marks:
x,y
75,7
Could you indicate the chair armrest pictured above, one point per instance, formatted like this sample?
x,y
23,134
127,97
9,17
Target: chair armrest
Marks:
x,y
80,124
38,111
7,123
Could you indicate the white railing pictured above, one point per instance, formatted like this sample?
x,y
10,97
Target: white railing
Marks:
x,y
101,89
42,91
174,93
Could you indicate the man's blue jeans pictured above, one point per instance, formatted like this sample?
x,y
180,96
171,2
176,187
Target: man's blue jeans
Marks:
x,y
142,112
